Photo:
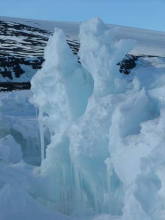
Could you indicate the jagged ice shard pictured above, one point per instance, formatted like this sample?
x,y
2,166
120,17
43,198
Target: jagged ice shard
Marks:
x,y
104,155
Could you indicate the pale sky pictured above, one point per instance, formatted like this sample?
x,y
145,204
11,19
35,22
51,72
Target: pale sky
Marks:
x,y
147,14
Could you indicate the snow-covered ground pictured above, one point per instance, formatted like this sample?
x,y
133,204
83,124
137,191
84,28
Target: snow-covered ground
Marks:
x,y
99,133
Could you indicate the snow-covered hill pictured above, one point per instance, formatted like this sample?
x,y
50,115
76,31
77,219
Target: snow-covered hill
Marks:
x,y
22,42
21,53
148,42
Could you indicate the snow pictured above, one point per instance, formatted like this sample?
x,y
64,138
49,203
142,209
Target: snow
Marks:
x,y
13,38
148,42
101,142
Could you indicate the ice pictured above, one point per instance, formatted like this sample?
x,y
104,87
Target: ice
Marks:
x,y
79,125
101,135
18,118
10,151
89,144
99,56
18,188
67,82
70,85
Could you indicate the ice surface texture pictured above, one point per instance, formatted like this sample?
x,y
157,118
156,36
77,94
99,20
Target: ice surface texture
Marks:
x,y
18,118
10,151
106,152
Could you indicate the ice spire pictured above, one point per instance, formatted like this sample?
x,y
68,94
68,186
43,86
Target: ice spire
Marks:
x,y
60,91
99,53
